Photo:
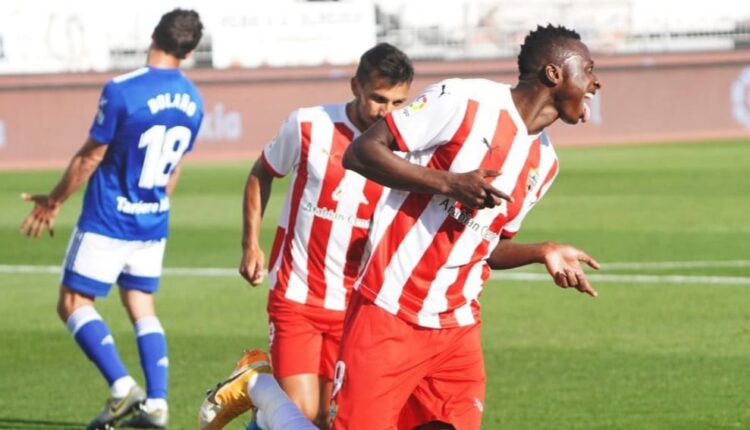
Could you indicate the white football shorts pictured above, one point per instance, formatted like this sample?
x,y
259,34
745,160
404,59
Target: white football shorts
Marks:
x,y
94,262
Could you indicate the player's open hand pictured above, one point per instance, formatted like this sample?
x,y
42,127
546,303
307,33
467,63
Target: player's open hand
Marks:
x,y
42,215
475,191
563,262
251,265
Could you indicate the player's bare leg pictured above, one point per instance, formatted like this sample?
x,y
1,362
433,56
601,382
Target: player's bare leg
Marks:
x,y
303,390
137,304
306,391
326,387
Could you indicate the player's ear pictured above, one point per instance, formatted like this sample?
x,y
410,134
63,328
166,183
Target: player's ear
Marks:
x,y
354,84
551,74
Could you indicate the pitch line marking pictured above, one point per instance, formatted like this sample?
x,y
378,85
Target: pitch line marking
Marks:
x,y
496,275
675,264
630,279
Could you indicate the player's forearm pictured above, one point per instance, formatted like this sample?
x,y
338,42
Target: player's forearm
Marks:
x,y
371,156
508,255
79,170
257,192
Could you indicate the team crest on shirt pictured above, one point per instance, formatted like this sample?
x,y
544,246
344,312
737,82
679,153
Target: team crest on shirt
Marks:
x,y
532,179
415,106
100,111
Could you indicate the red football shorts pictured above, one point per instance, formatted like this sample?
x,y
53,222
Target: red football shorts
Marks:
x,y
302,339
392,374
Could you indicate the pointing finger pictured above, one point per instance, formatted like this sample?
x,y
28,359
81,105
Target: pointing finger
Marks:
x,y
584,286
501,194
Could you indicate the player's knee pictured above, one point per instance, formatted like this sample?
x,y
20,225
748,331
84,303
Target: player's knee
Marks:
x,y
309,410
62,310
69,301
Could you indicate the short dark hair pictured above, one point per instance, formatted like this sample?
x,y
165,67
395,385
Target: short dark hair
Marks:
x,y
178,32
543,46
387,62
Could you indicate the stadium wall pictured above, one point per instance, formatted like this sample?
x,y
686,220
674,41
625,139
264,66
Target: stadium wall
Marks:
x,y
645,98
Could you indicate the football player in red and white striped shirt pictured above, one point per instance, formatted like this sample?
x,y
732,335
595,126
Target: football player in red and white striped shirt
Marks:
x,y
477,160
323,227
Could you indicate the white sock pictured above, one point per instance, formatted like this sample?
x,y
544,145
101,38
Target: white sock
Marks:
x,y
260,420
121,387
279,412
155,405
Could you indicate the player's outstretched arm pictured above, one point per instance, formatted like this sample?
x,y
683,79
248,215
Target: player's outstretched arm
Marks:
x,y
371,155
563,262
257,191
47,206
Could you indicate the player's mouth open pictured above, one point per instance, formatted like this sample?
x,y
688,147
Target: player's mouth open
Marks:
x,y
586,110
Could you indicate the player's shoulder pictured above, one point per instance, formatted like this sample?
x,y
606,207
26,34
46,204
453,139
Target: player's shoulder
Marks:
x,y
119,79
322,113
485,89
465,86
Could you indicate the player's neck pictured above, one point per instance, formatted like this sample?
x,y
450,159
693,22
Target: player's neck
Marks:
x,y
161,60
354,117
534,105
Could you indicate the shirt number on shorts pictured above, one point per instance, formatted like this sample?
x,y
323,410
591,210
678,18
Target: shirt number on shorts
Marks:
x,y
164,148
338,377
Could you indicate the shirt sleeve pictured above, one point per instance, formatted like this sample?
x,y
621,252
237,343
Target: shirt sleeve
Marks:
x,y
430,120
282,153
199,112
110,110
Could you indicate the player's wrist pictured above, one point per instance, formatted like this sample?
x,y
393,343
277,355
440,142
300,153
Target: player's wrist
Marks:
x,y
250,246
53,202
545,249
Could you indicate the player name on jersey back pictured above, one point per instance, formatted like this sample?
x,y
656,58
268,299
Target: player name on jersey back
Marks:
x,y
179,101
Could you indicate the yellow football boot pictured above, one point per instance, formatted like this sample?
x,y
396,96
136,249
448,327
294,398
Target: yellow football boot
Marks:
x,y
230,399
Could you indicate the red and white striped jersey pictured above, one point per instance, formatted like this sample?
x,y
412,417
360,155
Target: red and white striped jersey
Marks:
x,y
427,261
323,226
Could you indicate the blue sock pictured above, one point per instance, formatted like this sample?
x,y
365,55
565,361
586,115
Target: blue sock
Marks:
x,y
152,347
92,335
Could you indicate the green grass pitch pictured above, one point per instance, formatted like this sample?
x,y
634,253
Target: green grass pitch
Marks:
x,y
646,354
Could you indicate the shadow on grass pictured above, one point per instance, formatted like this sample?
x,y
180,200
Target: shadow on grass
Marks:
x,y
27,424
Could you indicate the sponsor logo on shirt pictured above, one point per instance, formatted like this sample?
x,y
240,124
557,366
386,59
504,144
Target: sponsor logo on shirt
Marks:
x,y
415,106
328,214
140,207
465,217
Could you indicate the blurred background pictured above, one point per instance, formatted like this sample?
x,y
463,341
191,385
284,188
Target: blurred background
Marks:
x,y
671,70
